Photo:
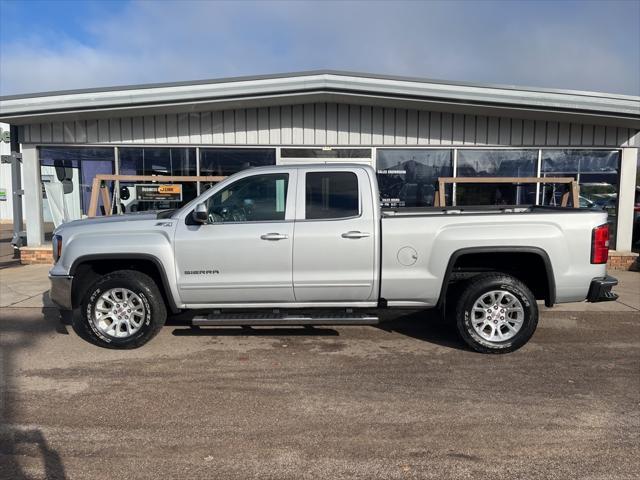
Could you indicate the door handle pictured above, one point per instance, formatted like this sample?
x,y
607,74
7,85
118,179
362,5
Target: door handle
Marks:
x,y
355,234
274,236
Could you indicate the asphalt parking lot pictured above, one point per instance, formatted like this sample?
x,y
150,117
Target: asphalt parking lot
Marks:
x,y
406,400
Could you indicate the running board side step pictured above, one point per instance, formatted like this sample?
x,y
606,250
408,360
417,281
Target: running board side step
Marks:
x,y
275,319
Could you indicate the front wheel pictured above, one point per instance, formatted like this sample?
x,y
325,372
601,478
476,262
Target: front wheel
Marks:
x,y
123,309
496,313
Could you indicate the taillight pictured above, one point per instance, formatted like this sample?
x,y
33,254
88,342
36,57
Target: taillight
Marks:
x,y
600,244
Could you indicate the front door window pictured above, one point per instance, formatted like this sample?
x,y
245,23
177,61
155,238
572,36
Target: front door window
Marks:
x,y
259,198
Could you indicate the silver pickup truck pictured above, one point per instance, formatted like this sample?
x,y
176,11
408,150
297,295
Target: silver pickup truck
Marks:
x,y
310,245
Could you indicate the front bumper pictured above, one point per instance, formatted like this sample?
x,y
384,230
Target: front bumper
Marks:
x,y
600,289
60,291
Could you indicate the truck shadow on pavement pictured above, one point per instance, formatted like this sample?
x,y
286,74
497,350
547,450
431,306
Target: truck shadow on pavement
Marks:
x,y
19,441
423,325
426,326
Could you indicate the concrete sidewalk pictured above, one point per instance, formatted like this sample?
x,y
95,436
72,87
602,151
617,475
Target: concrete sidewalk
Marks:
x,y
25,286
28,286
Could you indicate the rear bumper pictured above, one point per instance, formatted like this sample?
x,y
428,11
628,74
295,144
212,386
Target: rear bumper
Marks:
x,y
600,289
60,291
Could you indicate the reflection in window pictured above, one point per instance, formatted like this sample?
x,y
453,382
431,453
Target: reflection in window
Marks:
x,y
251,199
227,161
496,163
157,162
67,175
596,171
409,178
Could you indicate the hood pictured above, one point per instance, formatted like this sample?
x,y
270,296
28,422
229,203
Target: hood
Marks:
x,y
129,217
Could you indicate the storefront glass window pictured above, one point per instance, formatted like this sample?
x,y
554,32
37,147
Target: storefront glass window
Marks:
x,y
227,161
496,163
157,162
67,175
596,172
409,177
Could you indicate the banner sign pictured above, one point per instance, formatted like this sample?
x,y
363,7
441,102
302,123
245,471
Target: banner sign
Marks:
x,y
3,194
5,135
154,193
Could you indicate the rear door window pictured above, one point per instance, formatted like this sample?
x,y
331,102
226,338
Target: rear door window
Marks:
x,y
331,195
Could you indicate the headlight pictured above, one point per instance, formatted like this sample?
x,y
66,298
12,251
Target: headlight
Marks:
x,y
56,243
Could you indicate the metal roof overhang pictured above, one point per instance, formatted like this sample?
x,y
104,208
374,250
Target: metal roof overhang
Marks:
x,y
308,87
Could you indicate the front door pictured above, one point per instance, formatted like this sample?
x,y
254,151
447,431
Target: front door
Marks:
x,y
334,248
244,253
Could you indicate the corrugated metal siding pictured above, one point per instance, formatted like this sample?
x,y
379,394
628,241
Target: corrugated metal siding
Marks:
x,y
328,124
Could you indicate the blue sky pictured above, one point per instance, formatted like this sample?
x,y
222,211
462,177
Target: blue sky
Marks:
x,y
588,45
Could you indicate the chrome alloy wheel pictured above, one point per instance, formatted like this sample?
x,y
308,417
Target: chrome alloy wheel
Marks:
x,y
497,315
119,313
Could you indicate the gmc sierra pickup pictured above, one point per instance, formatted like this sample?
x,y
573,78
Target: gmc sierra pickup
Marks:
x,y
310,245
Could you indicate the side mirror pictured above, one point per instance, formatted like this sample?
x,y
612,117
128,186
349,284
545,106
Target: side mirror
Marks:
x,y
201,213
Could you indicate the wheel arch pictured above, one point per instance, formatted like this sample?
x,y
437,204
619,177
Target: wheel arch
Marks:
x,y
86,268
458,258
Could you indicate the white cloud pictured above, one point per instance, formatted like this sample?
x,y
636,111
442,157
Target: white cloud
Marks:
x,y
518,43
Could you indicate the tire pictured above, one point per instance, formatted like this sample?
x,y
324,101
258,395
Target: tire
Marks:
x,y
134,310
496,313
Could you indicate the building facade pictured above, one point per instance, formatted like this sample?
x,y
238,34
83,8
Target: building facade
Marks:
x,y
411,131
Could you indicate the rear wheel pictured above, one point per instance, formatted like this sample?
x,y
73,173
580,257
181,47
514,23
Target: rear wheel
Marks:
x,y
123,309
496,313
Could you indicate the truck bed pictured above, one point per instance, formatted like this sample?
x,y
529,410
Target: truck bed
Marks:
x,y
418,243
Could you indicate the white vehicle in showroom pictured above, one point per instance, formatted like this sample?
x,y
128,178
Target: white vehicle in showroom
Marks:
x,y
310,245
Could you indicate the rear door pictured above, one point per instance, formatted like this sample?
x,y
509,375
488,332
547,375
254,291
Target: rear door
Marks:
x,y
335,236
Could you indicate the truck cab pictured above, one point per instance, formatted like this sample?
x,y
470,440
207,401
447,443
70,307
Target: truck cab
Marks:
x,y
304,236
